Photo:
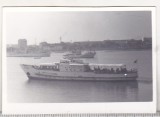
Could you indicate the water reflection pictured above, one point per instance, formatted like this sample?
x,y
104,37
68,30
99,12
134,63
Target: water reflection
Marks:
x,y
85,91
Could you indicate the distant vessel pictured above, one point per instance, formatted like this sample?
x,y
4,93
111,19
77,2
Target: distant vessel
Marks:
x,y
78,70
37,57
78,54
28,54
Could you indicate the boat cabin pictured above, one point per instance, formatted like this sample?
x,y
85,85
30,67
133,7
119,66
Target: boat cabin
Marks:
x,y
47,66
74,66
107,66
72,61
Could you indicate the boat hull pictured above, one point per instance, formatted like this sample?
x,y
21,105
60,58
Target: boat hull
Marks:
x,y
57,75
85,55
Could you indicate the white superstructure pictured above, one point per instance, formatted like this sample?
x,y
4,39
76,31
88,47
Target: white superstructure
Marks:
x,y
77,70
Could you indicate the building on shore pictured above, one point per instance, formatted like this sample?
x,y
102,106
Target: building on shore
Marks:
x,y
22,43
147,42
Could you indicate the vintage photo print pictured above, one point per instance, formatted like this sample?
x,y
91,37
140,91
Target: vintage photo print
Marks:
x,y
79,60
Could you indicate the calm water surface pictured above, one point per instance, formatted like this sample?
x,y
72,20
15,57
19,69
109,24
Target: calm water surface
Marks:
x,y
22,90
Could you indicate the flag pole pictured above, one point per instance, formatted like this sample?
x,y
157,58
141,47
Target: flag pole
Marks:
x,y
136,64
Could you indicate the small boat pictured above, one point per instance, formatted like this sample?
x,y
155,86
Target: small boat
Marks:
x,y
88,54
78,70
37,57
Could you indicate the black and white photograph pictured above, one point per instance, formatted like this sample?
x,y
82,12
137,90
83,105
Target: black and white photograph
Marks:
x,y
78,55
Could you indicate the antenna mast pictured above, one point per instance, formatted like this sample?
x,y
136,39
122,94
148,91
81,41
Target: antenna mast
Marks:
x,y
60,39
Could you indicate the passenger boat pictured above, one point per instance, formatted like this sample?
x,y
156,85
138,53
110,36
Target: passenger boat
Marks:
x,y
78,70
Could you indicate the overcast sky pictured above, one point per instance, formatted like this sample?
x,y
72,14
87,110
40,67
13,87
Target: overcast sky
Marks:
x,y
77,26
